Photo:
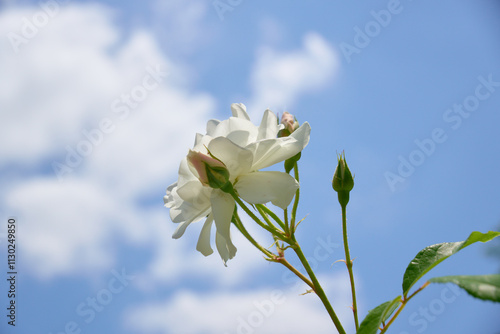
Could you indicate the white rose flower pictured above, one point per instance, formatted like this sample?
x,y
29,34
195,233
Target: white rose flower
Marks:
x,y
243,149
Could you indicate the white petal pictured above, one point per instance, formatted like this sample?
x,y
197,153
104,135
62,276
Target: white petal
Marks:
x,y
238,160
268,128
185,174
239,130
262,187
198,139
222,209
271,151
179,231
168,199
184,211
203,245
225,248
239,110
195,193
211,126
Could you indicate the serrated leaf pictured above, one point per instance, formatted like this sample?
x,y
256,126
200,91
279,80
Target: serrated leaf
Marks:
x,y
485,287
375,317
431,256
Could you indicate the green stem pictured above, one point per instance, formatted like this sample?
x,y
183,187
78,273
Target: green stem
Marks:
x,y
271,214
271,256
318,289
273,231
243,230
348,262
287,227
266,218
296,201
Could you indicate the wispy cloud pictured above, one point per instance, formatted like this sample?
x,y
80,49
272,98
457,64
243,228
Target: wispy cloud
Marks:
x,y
279,78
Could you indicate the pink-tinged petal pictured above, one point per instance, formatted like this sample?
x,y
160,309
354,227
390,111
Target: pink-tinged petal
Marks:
x,y
222,209
269,186
269,127
238,160
203,245
271,151
210,171
239,110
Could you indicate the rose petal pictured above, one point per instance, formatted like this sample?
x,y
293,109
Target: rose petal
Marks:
x,y
203,245
241,131
211,126
179,231
262,187
268,128
222,210
271,151
239,110
184,211
237,159
225,248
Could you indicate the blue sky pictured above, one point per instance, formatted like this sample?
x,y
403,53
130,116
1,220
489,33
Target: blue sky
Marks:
x,y
409,89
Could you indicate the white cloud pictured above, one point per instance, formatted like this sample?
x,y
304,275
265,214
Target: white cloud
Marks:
x,y
185,24
68,227
263,310
279,78
49,88
64,81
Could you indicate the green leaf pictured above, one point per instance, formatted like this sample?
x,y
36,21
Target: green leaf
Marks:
x,y
375,317
431,256
485,287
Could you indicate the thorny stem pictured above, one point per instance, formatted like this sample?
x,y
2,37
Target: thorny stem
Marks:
x,y
317,288
348,262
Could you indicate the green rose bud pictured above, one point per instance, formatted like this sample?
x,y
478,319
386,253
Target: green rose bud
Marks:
x,y
343,182
210,171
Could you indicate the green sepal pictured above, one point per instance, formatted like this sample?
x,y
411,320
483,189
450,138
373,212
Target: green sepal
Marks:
x,y
290,163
